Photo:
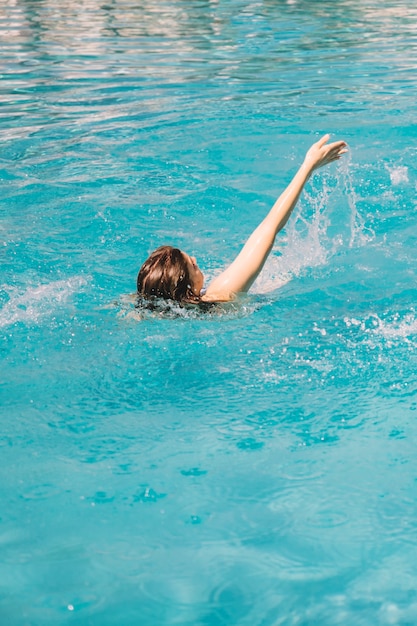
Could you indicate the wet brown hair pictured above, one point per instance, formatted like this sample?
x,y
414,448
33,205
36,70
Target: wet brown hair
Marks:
x,y
165,274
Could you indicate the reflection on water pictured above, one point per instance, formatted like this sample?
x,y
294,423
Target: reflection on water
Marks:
x,y
46,46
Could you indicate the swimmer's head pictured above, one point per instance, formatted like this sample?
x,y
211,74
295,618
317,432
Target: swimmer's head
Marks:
x,y
171,274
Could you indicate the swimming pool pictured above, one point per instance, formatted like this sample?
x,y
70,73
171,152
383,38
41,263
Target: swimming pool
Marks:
x,y
252,467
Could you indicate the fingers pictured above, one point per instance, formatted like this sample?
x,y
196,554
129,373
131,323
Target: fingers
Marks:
x,y
337,149
323,140
321,153
331,146
337,145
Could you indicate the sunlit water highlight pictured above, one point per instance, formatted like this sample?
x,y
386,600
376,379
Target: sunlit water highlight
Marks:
x,y
251,466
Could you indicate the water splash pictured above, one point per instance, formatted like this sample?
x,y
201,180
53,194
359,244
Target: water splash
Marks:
x,y
37,302
312,241
129,308
397,326
360,234
398,174
303,246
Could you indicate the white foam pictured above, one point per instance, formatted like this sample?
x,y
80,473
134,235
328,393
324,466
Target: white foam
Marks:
x,y
398,174
39,301
396,327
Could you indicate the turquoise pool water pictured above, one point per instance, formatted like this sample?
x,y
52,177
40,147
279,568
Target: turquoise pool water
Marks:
x,y
257,466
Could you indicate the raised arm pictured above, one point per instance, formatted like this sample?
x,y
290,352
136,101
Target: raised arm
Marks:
x,y
241,274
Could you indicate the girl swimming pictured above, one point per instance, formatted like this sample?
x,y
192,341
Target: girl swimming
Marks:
x,y
171,274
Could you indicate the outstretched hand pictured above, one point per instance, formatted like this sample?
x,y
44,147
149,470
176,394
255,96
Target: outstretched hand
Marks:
x,y
321,153
240,275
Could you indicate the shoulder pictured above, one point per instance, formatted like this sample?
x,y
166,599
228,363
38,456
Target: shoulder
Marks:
x,y
214,296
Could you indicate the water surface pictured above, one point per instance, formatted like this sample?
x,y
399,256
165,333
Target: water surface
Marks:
x,y
252,467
